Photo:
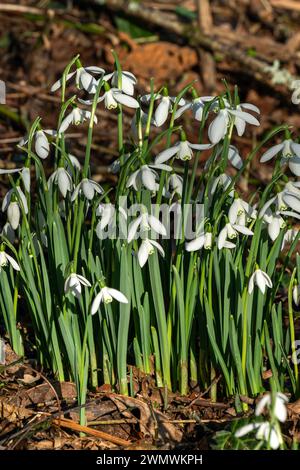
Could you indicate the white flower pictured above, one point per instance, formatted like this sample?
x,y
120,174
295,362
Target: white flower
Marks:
x,y
41,144
106,295
146,222
240,208
196,106
290,154
174,185
25,175
146,249
108,217
73,284
63,179
204,240
296,295
88,188
83,77
6,259
146,176
77,116
164,107
13,214
289,237
230,231
112,97
128,81
265,431
11,197
261,279
182,150
275,223
222,180
218,127
277,407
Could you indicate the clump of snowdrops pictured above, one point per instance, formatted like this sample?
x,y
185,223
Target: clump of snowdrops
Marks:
x,y
109,283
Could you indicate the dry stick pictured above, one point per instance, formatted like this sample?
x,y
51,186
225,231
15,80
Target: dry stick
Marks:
x,y
69,424
196,39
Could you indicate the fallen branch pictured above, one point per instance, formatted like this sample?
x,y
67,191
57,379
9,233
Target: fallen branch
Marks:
x,y
69,424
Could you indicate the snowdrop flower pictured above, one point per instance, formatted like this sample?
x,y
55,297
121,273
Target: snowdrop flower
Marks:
x,y
73,284
230,231
11,204
164,108
6,259
261,279
24,172
241,210
41,143
63,179
204,240
75,163
265,431
174,185
275,223
221,180
289,237
296,295
106,296
83,78
277,406
112,97
13,214
88,188
290,154
268,431
218,127
77,116
196,106
128,81
146,176
182,150
108,216
146,222
146,249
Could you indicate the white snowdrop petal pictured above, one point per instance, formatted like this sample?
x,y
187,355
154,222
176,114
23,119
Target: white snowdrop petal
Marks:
x,y
67,121
265,400
132,230
222,238
59,82
280,410
42,147
247,117
158,246
294,165
13,215
156,225
195,244
245,429
83,280
295,148
165,155
251,284
126,100
162,111
182,109
12,262
240,125
234,157
269,154
96,303
251,107
217,128
117,295
143,254
292,201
